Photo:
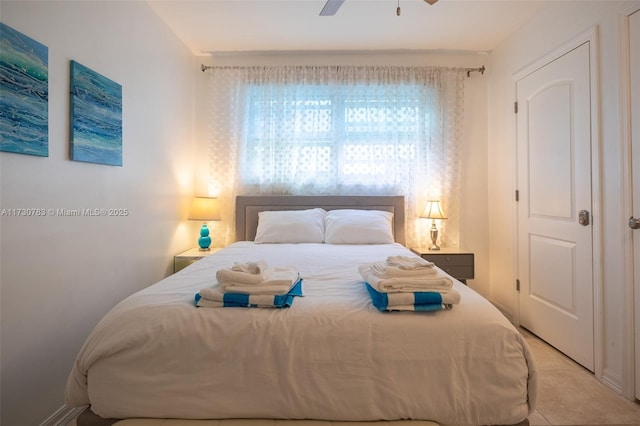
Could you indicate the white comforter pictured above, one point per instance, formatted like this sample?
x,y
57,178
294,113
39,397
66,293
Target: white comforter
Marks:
x,y
331,356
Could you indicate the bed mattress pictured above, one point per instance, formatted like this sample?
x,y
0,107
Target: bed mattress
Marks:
x,y
330,356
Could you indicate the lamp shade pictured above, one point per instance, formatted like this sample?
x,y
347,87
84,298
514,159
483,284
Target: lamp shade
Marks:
x,y
433,210
204,208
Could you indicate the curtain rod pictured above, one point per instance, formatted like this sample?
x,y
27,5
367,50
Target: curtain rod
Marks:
x,y
481,69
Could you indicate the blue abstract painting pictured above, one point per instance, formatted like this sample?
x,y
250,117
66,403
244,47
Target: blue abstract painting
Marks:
x,y
24,94
96,117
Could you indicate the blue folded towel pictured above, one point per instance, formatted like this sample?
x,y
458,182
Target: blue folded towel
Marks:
x,y
413,301
239,300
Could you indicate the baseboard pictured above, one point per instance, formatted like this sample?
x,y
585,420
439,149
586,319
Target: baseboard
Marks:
x,y
62,416
612,380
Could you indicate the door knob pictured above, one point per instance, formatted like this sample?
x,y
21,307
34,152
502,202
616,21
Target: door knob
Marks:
x,y
634,223
583,217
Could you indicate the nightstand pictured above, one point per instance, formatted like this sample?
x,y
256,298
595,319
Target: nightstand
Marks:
x,y
455,262
182,260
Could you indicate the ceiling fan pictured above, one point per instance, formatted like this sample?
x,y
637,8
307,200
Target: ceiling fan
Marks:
x,y
331,6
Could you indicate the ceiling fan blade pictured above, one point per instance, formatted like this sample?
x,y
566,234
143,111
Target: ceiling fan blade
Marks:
x,y
431,1
331,7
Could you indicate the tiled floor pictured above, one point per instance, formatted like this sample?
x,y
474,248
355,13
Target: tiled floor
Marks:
x,y
568,394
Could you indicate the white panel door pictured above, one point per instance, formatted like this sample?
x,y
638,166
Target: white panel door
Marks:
x,y
634,50
555,251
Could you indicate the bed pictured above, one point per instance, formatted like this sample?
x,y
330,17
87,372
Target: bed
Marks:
x,y
331,356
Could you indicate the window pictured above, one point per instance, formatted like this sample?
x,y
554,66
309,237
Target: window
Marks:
x,y
334,133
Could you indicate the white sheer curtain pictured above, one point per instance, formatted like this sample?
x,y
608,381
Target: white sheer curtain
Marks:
x,y
339,130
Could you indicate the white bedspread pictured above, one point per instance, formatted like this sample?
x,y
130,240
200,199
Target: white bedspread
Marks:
x,y
330,356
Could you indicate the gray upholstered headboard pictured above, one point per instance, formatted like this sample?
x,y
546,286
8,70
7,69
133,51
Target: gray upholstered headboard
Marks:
x,y
248,207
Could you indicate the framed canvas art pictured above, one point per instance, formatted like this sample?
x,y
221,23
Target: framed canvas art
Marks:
x,y
24,94
96,117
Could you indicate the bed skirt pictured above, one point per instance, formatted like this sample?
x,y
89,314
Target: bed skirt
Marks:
x,y
89,418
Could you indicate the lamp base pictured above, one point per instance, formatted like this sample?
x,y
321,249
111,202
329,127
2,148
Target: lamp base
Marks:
x,y
205,240
434,236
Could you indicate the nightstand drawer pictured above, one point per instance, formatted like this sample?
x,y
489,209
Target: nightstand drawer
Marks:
x,y
455,262
459,272
182,260
181,263
448,259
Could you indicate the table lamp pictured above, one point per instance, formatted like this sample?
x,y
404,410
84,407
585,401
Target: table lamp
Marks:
x,y
204,209
433,211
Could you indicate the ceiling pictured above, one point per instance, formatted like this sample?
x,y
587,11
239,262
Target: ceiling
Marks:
x,y
207,26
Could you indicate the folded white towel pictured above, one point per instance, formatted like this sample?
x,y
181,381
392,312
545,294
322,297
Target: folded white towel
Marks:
x,y
216,294
255,268
250,273
431,282
409,262
280,282
384,270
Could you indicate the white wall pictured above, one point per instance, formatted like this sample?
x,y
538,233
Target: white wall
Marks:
x,y
474,217
553,27
59,275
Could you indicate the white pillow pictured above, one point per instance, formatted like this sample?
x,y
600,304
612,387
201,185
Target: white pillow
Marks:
x,y
291,226
346,226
